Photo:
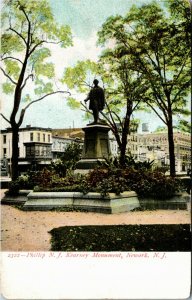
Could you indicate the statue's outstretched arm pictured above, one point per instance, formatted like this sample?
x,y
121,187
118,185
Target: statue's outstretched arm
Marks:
x,y
87,98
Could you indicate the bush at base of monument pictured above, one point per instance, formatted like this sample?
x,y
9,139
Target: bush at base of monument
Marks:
x,y
145,182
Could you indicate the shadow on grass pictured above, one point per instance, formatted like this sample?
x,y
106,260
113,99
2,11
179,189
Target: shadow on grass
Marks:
x,y
121,238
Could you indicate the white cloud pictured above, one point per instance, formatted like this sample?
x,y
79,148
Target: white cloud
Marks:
x,y
81,50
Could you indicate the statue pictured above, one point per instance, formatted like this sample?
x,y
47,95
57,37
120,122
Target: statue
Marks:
x,y
97,100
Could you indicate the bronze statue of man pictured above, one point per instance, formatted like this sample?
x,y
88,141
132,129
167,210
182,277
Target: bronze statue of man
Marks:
x,y
96,97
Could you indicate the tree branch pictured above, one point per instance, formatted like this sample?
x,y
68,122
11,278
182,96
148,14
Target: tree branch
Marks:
x,y
186,84
11,57
8,76
22,9
114,129
34,101
157,113
164,68
120,122
86,109
37,45
20,35
113,121
41,42
5,118
182,67
30,75
134,108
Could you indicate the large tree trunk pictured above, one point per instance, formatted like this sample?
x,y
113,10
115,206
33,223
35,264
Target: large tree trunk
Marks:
x,y
125,132
15,153
171,148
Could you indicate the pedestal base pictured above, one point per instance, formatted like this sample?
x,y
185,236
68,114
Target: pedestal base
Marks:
x,y
96,146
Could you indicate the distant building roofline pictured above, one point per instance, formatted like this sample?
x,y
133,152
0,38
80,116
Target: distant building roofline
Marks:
x,y
27,128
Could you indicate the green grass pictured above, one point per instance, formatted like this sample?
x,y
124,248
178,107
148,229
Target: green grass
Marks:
x,y
121,238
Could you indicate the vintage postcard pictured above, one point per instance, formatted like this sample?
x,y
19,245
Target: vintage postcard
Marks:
x,y
95,149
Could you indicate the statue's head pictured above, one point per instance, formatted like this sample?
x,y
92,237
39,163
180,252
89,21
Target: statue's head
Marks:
x,y
95,81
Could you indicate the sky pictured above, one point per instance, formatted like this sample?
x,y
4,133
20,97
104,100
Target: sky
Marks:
x,y
85,17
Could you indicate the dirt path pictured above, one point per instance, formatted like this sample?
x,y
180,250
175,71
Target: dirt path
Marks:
x,y
28,231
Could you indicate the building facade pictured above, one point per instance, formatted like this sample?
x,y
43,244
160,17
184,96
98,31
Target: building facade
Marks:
x,y
34,147
39,146
59,144
154,146
77,135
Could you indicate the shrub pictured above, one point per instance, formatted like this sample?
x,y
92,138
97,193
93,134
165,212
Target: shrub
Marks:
x,y
113,163
67,160
113,184
69,188
145,182
155,185
21,183
13,188
162,169
42,178
96,176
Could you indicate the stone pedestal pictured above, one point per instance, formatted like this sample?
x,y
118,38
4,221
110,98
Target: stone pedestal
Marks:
x,y
96,146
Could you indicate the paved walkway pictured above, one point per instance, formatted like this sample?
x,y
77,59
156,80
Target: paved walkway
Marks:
x,y
28,230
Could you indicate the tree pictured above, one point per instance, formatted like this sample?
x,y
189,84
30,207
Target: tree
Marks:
x,y
28,26
125,90
161,129
184,126
159,47
68,159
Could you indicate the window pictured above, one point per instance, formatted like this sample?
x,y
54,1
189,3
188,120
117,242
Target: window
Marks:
x,y
4,152
49,138
38,137
4,139
31,136
43,137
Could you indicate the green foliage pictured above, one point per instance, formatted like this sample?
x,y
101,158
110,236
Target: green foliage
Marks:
x,y
146,36
8,88
78,77
14,188
23,182
104,180
112,184
62,188
184,126
152,184
113,238
152,43
69,183
40,54
145,182
44,88
162,169
46,69
73,103
129,161
161,129
12,67
42,178
10,43
68,159
26,28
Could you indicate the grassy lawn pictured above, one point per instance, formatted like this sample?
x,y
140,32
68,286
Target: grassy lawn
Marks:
x,y
122,238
